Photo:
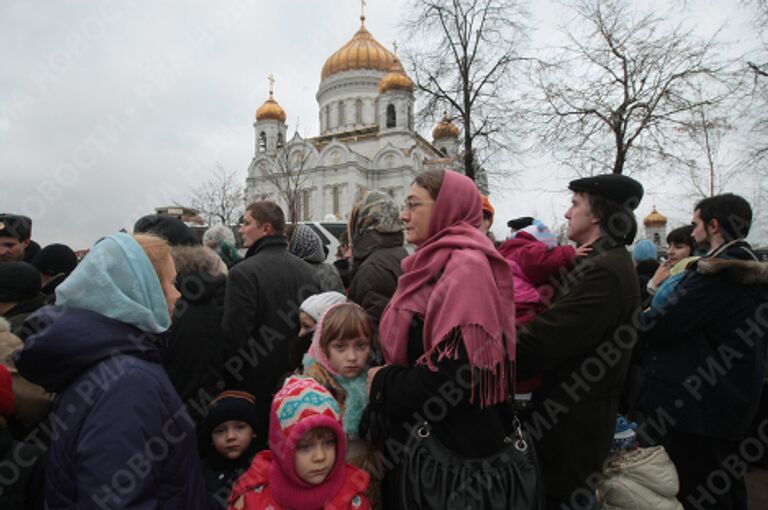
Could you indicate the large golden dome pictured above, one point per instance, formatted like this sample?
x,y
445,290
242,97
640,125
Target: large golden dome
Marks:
x,y
361,52
655,219
270,110
445,129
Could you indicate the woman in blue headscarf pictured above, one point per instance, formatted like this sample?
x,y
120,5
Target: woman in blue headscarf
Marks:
x,y
122,438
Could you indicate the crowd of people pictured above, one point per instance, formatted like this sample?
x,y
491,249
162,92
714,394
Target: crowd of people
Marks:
x,y
429,367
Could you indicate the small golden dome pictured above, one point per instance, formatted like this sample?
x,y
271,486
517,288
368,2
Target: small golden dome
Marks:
x,y
655,219
395,81
270,110
361,52
445,129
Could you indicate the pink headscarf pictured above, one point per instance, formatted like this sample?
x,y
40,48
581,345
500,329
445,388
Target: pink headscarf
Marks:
x,y
316,351
458,282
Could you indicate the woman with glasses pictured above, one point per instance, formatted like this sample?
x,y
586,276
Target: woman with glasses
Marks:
x,y
448,333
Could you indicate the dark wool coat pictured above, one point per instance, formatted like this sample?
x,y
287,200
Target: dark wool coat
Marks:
x,y
397,404
572,342
122,437
22,471
705,354
263,295
376,268
193,359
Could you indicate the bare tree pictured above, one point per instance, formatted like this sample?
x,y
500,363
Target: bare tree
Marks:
x,y
621,89
288,172
221,198
462,61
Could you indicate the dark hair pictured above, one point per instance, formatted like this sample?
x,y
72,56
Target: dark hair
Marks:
x,y
732,212
266,211
682,235
432,181
617,221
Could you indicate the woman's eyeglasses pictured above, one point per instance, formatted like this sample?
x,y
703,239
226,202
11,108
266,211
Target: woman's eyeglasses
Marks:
x,y
410,204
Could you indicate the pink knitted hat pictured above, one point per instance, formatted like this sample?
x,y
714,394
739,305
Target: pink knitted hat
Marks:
x,y
302,404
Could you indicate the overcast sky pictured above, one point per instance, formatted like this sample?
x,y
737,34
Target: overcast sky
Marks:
x,y
111,108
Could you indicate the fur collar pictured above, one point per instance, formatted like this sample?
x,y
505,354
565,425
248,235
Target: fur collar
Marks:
x,y
5,326
745,272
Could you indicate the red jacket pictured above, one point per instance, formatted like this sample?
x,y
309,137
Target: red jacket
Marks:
x,y
252,491
537,261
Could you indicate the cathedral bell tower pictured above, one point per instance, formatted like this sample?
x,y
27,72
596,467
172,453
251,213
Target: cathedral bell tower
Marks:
x,y
270,125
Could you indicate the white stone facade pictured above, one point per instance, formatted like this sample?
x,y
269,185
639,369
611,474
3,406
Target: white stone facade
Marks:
x,y
367,141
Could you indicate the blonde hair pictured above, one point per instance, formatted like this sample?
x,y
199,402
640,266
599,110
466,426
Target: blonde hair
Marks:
x,y
158,252
344,321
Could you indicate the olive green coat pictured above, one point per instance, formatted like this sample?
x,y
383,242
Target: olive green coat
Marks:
x,y
573,343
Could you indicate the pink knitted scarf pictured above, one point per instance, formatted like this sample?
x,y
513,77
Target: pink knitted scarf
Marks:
x,y
458,283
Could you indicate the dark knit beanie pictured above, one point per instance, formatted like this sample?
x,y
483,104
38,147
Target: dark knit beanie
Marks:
x,y
229,405
169,228
55,259
18,281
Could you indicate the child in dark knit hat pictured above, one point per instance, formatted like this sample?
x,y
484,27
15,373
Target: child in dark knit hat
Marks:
x,y
23,470
227,433
304,468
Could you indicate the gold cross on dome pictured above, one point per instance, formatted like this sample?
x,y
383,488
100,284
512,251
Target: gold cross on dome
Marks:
x,y
271,80
363,3
394,45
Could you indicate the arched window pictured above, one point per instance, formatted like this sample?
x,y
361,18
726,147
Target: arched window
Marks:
x,y
656,239
410,118
342,120
391,116
359,111
262,142
336,201
279,140
305,204
443,150
327,117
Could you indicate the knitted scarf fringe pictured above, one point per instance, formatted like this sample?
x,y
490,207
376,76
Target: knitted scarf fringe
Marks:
x,y
490,378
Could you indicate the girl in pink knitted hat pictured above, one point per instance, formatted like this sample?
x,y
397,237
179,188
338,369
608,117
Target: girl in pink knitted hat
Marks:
x,y
304,468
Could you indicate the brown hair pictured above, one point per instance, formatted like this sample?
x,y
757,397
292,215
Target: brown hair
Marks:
x,y
318,433
266,211
344,321
431,180
158,251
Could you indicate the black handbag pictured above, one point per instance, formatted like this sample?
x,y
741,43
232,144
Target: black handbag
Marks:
x,y
434,477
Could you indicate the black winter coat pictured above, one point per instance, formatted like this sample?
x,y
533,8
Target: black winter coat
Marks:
x,y
376,268
705,354
573,342
399,400
22,473
193,359
263,295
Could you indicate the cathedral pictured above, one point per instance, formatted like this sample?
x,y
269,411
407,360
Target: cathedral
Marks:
x,y
367,139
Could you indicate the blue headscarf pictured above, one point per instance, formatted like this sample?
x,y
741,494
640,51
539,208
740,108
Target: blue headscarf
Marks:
x,y
116,279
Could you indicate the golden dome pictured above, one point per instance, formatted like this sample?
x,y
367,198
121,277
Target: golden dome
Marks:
x,y
445,129
395,81
270,110
361,52
655,219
